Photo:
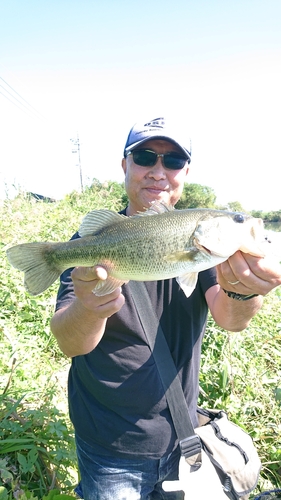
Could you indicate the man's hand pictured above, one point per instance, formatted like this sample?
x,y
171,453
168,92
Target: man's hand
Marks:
x,y
243,273
79,326
84,281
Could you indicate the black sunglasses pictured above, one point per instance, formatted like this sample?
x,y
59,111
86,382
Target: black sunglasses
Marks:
x,y
147,158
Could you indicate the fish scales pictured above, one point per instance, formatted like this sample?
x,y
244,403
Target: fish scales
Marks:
x,y
131,247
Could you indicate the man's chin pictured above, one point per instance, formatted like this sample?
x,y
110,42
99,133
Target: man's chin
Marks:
x,y
158,196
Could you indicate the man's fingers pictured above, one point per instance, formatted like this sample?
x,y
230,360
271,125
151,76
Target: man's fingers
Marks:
x,y
245,274
110,304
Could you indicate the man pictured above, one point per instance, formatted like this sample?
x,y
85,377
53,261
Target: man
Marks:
x,y
126,442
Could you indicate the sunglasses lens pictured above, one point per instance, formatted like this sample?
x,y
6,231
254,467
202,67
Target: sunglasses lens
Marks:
x,y
144,158
174,161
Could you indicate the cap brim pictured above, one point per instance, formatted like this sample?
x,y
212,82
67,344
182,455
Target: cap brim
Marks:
x,y
138,143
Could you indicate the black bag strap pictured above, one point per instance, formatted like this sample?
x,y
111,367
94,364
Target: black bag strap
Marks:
x,y
190,443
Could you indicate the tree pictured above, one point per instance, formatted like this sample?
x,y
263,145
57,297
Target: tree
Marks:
x,y
235,206
197,196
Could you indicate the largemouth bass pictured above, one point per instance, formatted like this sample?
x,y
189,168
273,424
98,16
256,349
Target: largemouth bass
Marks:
x,y
157,244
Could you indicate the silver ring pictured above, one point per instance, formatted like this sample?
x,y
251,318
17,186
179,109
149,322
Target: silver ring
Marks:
x,y
233,282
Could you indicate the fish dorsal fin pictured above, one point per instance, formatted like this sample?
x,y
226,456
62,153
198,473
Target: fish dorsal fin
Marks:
x,y
156,208
97,220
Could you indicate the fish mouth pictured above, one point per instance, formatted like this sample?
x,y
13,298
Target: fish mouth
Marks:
x,y
203,249
206,250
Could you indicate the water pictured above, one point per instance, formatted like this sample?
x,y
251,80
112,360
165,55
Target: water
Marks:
x,y
273,226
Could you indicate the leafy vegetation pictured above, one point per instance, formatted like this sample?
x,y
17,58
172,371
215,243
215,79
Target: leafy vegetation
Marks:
x,y
195,195
240,372
274,216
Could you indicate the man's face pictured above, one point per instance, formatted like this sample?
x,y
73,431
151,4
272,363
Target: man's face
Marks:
x,y
147,184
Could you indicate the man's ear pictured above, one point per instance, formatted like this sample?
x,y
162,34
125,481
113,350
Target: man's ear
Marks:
x,y
124,165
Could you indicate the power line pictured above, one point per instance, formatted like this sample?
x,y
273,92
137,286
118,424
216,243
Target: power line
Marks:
x,y
19,95
14,99
30,115
24,100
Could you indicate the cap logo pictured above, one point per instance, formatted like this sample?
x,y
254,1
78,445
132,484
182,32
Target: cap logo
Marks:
x,y
155,129
157,123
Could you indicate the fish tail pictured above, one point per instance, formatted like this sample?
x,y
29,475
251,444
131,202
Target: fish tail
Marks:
x,y
39,271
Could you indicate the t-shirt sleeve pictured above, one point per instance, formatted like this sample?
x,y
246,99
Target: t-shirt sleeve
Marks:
x,y
207,279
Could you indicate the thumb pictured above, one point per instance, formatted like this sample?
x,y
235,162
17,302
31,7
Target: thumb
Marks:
x,y
89,273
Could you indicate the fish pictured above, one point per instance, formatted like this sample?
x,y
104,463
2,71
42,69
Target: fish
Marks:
x,y
157,244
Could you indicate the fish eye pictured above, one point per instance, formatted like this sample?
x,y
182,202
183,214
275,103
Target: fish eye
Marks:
x,y
239,218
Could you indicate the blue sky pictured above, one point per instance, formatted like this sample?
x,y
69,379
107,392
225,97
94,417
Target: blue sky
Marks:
x,y
95,68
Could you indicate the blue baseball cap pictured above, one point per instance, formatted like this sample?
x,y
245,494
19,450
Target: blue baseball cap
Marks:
x,y
157,129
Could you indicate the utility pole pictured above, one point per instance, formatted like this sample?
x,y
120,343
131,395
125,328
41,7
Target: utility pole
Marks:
x,y
76,144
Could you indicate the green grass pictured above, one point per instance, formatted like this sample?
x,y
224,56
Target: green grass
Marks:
x,y
239,372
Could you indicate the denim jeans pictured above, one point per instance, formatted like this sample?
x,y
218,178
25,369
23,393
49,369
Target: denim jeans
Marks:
x,y
106,478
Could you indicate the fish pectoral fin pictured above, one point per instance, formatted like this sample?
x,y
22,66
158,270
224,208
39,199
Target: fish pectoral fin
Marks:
x,y
185,255
104,287
97,220
187,282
